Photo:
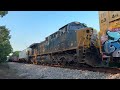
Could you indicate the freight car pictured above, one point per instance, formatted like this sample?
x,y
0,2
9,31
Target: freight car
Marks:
x,y
110,36
73,43
24,55
13,59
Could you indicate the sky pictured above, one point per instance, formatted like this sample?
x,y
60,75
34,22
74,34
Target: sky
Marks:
x,y
28,27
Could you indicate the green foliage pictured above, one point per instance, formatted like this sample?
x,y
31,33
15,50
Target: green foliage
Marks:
x,y
16,53
3,13
5,46
4,34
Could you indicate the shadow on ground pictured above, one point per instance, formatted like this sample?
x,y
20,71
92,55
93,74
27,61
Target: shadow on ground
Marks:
x,y
7,73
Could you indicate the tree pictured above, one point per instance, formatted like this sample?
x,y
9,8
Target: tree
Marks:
x,y
16,53
4,34
3,13
5,46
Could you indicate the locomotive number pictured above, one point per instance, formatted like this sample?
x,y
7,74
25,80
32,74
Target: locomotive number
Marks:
x,y
114,16
104,20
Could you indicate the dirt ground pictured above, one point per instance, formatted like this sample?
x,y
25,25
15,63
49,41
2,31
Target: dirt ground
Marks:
x,y
7,73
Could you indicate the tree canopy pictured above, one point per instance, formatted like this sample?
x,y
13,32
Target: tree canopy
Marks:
x,y
16,53
5,46
3,13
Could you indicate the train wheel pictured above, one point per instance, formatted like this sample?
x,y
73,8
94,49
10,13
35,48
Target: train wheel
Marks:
x,y
63,61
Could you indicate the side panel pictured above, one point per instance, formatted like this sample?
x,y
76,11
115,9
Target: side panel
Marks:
x,y
110,39
71,39
42,47
66,41
24,54
113,15
111,43
115,25
103,21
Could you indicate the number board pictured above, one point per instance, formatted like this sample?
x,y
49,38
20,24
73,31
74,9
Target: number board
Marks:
x,y
113,15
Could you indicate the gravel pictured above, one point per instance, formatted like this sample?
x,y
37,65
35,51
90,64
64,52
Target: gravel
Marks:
x,y
30,71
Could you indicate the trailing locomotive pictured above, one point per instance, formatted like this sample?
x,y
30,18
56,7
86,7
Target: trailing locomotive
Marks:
x,y
73,43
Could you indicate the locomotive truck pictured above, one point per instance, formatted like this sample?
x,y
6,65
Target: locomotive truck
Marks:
x,y
76,43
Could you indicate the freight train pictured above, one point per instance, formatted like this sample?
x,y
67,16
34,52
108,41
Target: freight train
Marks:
x,y
76,43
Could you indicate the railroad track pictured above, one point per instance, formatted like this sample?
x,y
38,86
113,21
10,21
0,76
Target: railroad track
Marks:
x,y
98,69
94,69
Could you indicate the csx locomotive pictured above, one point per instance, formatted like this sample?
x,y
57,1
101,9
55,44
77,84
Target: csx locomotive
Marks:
x,y
73,43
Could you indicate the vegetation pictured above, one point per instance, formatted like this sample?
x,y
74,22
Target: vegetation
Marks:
x,y
3,13
5,46
16,53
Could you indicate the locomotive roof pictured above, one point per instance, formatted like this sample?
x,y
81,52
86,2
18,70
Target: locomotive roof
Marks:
x,y
75,22
32,45
72,23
